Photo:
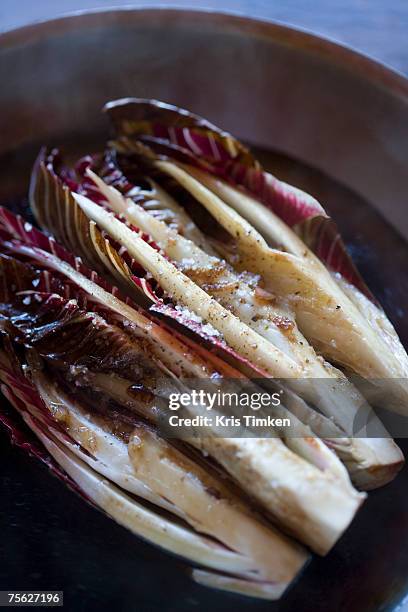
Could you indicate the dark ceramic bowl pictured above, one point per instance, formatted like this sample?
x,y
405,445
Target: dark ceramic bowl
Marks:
x,y
322,117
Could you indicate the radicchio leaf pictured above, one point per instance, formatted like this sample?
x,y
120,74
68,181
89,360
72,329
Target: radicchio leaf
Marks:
x,y
56,210
207,333
151,128
39,245
22,395
22,437
45,182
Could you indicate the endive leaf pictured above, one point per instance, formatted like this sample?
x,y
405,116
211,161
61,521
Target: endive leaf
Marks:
x,y
55,208
57,212
35,245
333,323
270,556
149,127
18,391
369,463
137,518
187,294
327,523
284,558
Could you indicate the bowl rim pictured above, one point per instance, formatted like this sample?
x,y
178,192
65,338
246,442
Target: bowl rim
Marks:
x,y
324,47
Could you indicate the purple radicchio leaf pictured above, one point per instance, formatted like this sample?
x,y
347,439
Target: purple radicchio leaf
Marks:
x,y
152,128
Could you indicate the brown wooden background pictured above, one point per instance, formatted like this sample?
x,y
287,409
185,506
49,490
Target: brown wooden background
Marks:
x,y
375,27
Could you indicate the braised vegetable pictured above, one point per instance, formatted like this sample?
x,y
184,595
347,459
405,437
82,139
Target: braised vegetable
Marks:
x,y
172,258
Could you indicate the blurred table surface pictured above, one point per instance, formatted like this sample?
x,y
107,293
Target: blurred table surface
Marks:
x,y
374,27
